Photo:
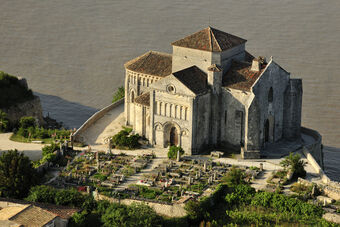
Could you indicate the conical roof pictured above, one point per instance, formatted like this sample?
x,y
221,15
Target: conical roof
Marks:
x,y
210,39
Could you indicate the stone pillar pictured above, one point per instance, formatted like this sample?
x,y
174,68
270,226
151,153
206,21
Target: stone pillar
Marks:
x,y
178,156
261,167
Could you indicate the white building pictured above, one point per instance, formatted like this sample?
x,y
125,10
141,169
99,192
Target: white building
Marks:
x,y
211,93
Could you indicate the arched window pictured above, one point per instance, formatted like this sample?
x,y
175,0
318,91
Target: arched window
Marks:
x,y
270,95
132,96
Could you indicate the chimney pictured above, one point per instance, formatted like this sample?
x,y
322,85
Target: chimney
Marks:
x,y
256,65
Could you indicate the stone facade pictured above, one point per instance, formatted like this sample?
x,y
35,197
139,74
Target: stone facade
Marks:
x,y
211,93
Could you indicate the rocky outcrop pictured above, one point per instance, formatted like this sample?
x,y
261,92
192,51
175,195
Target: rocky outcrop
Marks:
x,y
28,108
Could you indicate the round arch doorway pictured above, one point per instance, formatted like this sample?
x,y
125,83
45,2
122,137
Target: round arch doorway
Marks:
x,y
173,136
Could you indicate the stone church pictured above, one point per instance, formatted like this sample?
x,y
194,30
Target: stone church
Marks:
x,y
211,93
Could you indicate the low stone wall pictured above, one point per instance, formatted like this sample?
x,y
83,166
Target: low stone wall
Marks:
x,y
314,155
325,179
174,210
315,149
95,117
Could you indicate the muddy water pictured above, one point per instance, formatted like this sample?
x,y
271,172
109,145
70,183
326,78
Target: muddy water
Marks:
x,y
72,52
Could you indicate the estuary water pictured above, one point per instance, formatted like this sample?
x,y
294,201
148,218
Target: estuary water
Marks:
x,y
72,52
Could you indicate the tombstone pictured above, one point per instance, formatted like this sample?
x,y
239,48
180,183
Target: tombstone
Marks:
x,y
189,180
196,177
109,147
205,166
215,175
313,193
178,156
199,173
165,169
261,167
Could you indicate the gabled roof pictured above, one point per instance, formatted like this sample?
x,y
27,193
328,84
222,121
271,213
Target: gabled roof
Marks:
x,y
210,39
143,99
240,77
193,78
33,216
152,63
61,211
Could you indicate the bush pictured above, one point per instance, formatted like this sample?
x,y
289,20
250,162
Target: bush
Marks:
x,y
27,122
172,153
242,194
133,215
295,164
123,140
119,94
284,203
65,197
4,122
234,176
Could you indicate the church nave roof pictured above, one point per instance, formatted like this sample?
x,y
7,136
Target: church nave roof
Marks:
x,y
151,63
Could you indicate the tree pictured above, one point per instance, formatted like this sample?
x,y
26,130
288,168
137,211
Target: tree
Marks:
x,y
294,164
17,174
42,194
119,94
3,121
133,215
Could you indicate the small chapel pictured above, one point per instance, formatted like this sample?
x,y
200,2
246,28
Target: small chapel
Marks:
x,y
211,93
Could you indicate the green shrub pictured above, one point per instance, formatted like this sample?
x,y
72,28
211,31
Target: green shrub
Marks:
x,y
4,122
119,94
234,176
242,194
283,203
27,122
295,164
172,153
123,139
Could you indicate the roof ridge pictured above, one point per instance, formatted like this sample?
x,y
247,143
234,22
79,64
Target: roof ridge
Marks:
x,y
28,206
212,34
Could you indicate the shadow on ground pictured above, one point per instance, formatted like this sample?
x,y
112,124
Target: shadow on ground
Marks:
x,y
72,114
331,160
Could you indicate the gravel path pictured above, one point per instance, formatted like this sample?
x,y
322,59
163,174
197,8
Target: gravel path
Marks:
x,y
33,151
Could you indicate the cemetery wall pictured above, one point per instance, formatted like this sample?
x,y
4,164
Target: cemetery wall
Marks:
x,y
173,210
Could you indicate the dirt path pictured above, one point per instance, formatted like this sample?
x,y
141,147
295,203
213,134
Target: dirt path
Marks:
x,y
33,151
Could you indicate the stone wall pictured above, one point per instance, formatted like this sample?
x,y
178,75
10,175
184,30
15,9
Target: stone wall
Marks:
x,y
28,108
315,149
278,79
173,210
95,117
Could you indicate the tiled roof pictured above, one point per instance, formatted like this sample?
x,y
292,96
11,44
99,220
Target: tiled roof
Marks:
x,y
61,211
193,78
152,63
210,39
143,99
33,216
240,77
8,212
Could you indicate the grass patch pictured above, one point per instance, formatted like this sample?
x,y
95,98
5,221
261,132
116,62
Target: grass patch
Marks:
x,y
21,139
